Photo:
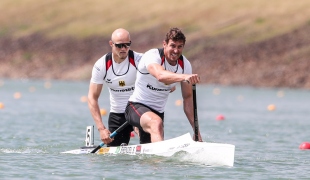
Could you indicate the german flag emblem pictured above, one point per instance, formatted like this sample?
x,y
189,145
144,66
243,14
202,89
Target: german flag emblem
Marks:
x,y
121,83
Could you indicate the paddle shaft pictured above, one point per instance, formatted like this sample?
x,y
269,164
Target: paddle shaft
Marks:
x,y
111,136
195,113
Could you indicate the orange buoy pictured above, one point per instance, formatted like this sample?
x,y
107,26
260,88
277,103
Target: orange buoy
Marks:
x,y
1,105
47,85
17,95
304,145
178,102
220,117
103,112
216,91
280,94
83,99
271,107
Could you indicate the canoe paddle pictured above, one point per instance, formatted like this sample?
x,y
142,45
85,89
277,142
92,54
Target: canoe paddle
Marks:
x,y
195,113
111,136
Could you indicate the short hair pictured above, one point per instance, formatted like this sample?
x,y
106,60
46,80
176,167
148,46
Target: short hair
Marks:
x,y
175,34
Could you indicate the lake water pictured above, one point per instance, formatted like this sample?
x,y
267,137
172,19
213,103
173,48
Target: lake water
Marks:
x,y
41,119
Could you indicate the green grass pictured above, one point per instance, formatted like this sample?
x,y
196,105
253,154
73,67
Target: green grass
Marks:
x,y
199,18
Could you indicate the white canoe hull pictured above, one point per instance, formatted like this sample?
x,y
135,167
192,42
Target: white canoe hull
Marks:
x,y
211,153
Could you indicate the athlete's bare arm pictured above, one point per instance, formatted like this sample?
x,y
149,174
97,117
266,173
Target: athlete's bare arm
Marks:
x,y
168,77
93,96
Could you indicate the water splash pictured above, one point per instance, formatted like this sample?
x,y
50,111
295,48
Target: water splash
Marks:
x,y
25,150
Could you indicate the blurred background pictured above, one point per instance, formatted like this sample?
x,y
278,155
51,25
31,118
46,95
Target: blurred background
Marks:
x,y
251,55
246,43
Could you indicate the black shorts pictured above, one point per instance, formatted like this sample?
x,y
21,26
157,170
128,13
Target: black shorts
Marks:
x,y
114,122
133,113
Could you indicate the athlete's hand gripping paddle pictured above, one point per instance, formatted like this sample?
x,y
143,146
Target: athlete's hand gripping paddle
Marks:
x,y
111,136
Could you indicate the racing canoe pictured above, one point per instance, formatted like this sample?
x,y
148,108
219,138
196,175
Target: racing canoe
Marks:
x,y
212,153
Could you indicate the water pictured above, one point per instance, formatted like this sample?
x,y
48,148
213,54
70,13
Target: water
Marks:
x,y
50,118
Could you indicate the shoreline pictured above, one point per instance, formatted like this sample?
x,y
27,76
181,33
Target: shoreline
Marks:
x,y
279,62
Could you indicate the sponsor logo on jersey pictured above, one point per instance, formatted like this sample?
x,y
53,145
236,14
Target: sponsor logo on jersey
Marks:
x,y
108,81
123,90
121,83
156,89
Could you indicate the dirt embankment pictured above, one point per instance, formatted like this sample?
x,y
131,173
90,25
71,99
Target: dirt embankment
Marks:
x,y
282,61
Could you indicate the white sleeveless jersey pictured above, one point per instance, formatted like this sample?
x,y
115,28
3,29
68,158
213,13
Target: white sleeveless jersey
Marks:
x,y
119,78
148,90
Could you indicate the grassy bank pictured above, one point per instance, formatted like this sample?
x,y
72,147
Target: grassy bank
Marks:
x,y
242,19
239,42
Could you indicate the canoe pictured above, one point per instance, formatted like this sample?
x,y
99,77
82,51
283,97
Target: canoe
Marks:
x,y
217,154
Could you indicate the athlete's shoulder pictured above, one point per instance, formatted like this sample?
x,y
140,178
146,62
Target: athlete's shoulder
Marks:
x,y
187,65
100,63
98,71
185,59
137,53
154,50
152,53
137,56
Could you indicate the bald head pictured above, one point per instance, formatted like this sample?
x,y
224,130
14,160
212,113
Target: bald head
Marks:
x,y
119,43
120,36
